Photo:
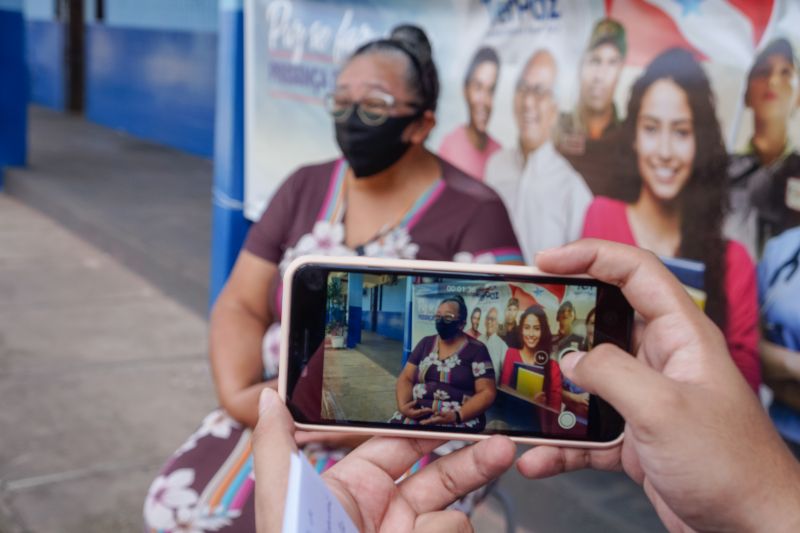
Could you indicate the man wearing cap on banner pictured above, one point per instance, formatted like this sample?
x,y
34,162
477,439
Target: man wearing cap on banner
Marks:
x,y
583,136
544,195
765,179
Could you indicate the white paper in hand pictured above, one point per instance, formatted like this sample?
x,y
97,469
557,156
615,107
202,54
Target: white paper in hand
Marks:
x,y
310,506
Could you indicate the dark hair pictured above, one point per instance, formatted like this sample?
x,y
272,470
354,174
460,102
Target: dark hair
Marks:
x,y
563,307
422,78
589,315
484,54
703,200
513,301
546,340
462,306
478,309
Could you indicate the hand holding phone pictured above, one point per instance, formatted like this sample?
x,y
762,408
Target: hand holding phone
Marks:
x,y
696,436
446,350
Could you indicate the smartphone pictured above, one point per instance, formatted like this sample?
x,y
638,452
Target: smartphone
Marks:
x,y
445,350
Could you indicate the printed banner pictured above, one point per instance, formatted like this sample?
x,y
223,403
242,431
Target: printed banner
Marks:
x,y
666,124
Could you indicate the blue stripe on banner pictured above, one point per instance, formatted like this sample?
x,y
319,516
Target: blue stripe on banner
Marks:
x,y
230,494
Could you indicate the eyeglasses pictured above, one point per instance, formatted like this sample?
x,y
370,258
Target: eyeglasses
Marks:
x,y
539,92
447,319
374,109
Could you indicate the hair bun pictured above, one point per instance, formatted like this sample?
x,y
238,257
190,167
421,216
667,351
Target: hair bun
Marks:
x,y
414,38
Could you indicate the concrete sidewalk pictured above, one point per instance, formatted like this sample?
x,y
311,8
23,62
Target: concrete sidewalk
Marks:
x,y
101,377
147,205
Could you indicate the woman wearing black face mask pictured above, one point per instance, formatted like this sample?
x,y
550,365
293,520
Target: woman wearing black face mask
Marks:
x,y
448,379
387,196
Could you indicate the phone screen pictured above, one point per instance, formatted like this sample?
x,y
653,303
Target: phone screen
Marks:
x,y
464,353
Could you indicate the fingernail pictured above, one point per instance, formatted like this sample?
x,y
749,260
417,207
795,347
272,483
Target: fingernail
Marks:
x,y
267,400
569,361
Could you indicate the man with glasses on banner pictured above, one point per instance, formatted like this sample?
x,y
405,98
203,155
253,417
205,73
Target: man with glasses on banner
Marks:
x,y
545,197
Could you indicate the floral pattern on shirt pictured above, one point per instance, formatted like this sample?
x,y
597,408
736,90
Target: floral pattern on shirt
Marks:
x,y
445,385
328,239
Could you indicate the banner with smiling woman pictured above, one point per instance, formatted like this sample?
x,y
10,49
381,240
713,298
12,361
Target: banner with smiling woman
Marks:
x,y
666,124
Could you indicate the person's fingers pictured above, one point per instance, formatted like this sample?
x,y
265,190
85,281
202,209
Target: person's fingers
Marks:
x,y
443,522
393,455
273,443
628,384
452,476
547,461
647,284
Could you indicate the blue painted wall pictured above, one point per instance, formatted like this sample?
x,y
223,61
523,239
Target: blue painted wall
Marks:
x,y
14,86
390,324
154,84
187,15
150,67
45,51
391,311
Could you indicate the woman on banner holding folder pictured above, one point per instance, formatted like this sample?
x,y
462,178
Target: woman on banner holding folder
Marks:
x,y
671,149
531,371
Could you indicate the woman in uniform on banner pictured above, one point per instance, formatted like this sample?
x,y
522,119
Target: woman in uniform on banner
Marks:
x,y
765,179
469,146
386,196
779,296
671,150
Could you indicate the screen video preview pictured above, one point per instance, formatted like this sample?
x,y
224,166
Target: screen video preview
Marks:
x,y
451,353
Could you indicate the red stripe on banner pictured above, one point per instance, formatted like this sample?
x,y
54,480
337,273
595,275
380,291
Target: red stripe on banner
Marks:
x,y
558,290
306,57
525,299
759,14
649,31
297,97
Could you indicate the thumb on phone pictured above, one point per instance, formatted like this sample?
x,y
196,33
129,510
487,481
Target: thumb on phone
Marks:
x,y
619,378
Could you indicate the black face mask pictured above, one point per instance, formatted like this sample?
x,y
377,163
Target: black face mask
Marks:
x,y
372,149
447,330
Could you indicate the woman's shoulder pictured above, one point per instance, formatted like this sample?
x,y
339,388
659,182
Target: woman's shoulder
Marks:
x,y
604,205
475,344
737,256
465,187
606,218
314,173
512,353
